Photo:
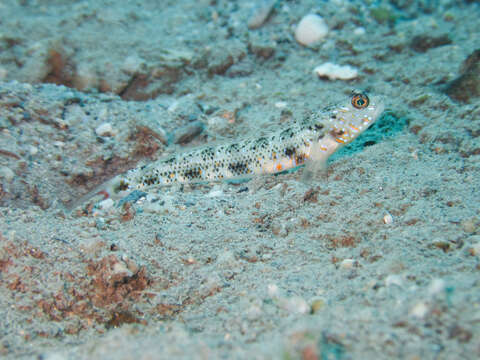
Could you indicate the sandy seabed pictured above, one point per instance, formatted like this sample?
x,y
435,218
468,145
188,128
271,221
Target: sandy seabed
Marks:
x,y
377,258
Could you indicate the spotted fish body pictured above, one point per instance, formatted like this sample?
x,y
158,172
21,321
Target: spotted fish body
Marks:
x,y
312,140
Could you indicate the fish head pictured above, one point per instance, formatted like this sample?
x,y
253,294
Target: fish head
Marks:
x,y
349,120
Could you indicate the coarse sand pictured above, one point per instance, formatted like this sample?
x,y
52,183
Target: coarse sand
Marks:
x,y
378,257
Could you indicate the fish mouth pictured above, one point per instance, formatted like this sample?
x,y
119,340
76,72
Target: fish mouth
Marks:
x,y
379,103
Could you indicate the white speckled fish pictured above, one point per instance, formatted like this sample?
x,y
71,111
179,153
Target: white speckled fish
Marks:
x,y
309,142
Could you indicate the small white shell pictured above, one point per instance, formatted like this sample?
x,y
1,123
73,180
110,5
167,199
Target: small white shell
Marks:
x,y
334,71
388,219
311,29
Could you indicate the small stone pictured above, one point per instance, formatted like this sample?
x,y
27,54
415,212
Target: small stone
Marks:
x,y
217,122
33,150
333,71
7,173
467,85
215,192
359,31
419,310
347,263
273,290
267,257
104,129
220,58
133,64
311,29
470,225
388,219
261,13
475,249
131,265
189,132
423,43
242,69
105,204
262,51
436,287
383,15
121,268
317,305
85,77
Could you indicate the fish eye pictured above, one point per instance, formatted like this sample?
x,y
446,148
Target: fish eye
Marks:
x,y
360,101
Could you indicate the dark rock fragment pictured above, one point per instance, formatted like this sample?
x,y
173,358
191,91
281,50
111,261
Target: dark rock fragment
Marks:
x,y
262,51
189,132
467,85
423,43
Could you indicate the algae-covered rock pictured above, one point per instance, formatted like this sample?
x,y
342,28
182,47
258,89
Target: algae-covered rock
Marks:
x,y
383,15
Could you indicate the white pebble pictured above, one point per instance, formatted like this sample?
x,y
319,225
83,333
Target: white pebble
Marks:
x,y
120,268
266,257
173,106
273,290
215,121
281,104
104,129
347,263
419,310
7,173
86,77
215,192
105,204
334,71
359,31
388,219
475,248
311,29
436,287
132,64
33,150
